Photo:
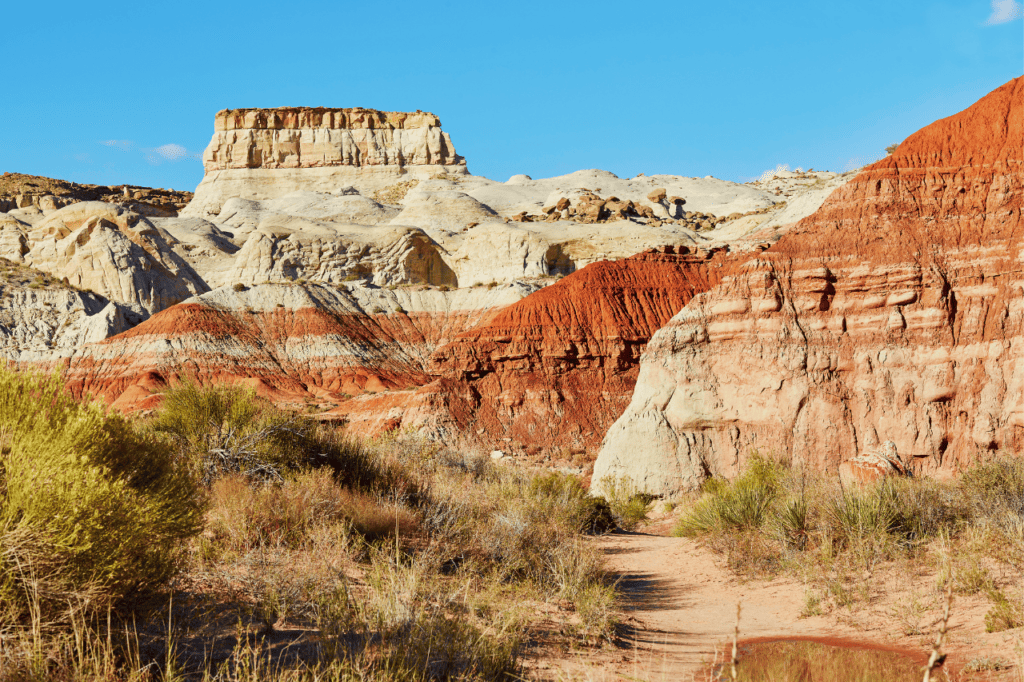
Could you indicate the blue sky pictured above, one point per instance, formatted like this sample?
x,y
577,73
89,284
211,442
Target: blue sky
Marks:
x,y
125,92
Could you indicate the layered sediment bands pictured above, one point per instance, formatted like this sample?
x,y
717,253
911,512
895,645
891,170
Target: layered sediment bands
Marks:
x,y
291,343
894,313
553,371
262,154
314,138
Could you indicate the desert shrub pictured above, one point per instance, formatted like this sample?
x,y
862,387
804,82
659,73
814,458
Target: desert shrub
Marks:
x,y
1005,613
419,640
566,495
627,504
244,516
227,429
994,487
223,429
744,503
238,287
88,500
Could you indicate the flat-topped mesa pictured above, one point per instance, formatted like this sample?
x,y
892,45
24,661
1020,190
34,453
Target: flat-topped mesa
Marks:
x,y
261,154
299,137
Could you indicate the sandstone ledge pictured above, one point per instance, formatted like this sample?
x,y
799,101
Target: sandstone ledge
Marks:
x,y
355,118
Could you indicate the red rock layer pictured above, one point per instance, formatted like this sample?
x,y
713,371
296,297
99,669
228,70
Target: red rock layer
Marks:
x,y
287,355
893,313
552,372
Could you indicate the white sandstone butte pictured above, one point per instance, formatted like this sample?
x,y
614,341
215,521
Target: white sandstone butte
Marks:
x,y
262,154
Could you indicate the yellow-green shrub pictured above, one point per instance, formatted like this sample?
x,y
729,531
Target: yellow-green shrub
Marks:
x,y
86,499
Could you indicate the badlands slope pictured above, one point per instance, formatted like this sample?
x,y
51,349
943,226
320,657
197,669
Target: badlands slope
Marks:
x,y
893,313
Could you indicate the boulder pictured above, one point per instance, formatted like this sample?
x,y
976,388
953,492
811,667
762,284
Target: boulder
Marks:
x,y
657,196
871,467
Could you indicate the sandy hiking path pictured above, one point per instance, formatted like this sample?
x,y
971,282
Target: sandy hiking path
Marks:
x,y
682,605
679,602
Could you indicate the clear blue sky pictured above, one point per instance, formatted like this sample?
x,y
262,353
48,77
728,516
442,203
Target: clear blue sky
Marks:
x,y
125,92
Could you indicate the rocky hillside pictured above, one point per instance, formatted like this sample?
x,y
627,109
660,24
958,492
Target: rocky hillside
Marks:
x,y
20,191
43,319
346,261
893,313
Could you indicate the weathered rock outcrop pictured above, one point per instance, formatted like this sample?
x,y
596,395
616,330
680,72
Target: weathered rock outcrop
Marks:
x,y
266,153
42,320
550,373
19,191
114,252
293,343
894,313
286,249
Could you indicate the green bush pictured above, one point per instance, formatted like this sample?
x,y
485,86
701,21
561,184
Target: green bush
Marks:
x,y
566,493
743,504
627,504
89,502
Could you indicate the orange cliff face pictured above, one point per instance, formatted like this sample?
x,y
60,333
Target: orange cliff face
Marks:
x,y
894,313
550,373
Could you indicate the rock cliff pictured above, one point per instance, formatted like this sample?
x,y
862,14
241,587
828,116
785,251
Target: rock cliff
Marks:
x,y
264,154
893,313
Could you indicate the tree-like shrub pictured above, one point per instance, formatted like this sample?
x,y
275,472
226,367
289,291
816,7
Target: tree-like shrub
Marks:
x,y
88,502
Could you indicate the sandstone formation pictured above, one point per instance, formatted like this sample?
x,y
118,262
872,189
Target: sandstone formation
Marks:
x,y
42,320
894,313
329,254
266,153
870,467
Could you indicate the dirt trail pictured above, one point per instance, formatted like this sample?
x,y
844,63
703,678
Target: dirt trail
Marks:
x,y
682,605
680,608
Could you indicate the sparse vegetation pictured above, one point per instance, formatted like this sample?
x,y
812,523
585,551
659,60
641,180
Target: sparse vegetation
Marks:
x,y
238,287
892,148
627,505
774,518
393,194
406,561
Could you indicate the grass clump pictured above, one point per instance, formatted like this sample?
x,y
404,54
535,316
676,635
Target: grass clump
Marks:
x,y
743,504
90,503
773,518
628,505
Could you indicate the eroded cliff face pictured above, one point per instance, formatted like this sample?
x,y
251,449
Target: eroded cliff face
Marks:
x,y
263,154
549,374
892,313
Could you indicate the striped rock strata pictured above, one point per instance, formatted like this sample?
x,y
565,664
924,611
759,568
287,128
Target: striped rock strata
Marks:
x,y
265,154
894,313
550,373
293,344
